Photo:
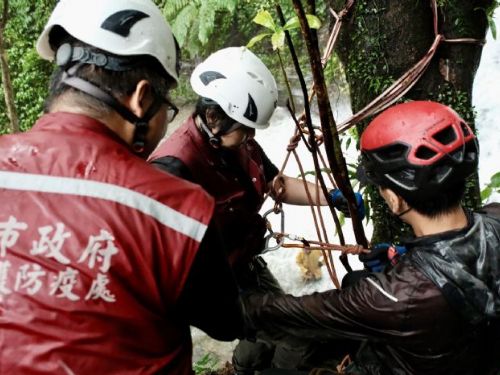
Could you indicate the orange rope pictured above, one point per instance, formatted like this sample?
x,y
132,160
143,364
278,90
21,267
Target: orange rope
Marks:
x,y
402,85
391,95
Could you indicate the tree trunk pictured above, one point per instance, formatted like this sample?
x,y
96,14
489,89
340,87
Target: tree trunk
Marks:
x,y
383,39
6,81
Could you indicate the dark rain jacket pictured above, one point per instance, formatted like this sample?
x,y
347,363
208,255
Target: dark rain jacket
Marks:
x,y
433,313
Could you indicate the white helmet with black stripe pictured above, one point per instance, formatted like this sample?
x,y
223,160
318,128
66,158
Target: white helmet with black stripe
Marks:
x,y
240,83
121,27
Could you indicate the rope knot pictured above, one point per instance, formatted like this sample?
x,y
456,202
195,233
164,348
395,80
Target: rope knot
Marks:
x,y
294,142
278,191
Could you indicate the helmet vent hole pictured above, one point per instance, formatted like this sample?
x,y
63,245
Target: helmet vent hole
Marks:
x,y
441,173
251,112
256,77
458,155
210,76
425,153
393,152
465,129
121,22
253,75
446,136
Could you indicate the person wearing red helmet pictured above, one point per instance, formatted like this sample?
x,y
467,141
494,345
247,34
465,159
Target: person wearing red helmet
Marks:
x,y
436,310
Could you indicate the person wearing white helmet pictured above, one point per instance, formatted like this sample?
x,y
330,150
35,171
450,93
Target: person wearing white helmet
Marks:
x,y
101,273
215,148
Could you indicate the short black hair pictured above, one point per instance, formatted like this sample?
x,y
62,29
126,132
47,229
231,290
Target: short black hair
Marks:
x,y
204,104
116,83
441,202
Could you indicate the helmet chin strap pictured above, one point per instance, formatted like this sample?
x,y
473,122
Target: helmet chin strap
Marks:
x,y
404,212
141,123
215,139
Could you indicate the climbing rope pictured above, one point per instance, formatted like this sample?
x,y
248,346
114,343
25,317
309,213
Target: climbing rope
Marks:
x,y
309,244
298,136
402,85
391,95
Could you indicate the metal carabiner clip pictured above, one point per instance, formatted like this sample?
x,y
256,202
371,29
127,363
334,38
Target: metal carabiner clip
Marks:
x,y
271,234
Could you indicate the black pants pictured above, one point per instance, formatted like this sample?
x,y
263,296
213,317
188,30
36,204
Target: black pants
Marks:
x,y
302,355
250,356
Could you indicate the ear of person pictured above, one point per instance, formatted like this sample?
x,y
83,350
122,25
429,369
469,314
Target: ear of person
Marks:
x,y
139,101
395,202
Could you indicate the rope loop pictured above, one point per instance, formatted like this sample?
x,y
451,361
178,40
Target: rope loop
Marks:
x,y
294,142
278,192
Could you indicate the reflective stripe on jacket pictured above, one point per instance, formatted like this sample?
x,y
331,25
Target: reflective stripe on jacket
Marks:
x,y
93,256
402,315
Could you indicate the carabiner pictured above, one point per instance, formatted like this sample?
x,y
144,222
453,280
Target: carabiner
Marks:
x,y
271,234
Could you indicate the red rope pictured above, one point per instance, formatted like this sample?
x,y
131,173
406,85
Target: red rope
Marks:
x,y
401,86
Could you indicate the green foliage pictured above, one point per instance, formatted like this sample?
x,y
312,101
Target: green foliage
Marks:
x,y
183,93
456,99
196,23
207,363
490,11
492,187
277,32
369,66
459,23
29,73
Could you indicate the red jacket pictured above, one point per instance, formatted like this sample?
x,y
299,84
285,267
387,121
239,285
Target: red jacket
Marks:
x,y
93,256
237,203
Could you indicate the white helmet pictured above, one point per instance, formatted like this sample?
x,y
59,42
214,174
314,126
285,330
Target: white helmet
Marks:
x,y
121,27
240,83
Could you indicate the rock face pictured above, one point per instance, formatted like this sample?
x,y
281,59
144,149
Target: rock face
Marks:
x,y
202,344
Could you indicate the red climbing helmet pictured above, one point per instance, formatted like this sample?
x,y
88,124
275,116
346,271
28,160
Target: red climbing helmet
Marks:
x,y
418,149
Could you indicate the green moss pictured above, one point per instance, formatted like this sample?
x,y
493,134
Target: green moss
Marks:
x,y
367,57
456,99
370,71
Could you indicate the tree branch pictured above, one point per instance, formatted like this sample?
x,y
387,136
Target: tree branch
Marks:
x,y
332,142
5,14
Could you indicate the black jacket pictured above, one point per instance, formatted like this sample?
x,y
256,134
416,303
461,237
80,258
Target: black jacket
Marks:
x,y
407,317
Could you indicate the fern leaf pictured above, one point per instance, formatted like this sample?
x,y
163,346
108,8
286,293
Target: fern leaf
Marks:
x,y
207,11
193,44
229,5
173,7
183,21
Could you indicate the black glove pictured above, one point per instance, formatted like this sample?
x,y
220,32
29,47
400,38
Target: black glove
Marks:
x,y
381,255
340,203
